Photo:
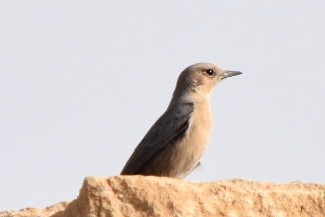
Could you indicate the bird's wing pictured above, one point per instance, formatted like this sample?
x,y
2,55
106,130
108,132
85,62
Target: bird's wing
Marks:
x,y
170,127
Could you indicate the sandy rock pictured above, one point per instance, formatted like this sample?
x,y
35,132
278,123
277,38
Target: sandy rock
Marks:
x,y
34,212
156,196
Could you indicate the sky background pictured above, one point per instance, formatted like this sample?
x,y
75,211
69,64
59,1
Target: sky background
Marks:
x,y
81,82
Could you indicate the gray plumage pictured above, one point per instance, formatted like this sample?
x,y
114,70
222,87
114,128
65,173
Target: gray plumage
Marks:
x,y
175,143
167,130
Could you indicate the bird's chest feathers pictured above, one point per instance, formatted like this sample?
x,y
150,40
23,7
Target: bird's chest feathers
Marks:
x,y
199,131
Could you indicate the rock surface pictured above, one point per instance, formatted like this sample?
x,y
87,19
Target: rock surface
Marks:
x,y
154,196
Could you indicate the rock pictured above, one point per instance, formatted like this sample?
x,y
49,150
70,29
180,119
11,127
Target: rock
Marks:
x,y
157,196
33,212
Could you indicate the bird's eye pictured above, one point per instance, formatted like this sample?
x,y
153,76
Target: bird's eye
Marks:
x,y
209,72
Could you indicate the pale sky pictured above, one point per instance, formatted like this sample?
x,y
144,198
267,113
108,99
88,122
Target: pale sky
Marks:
x,y
81,82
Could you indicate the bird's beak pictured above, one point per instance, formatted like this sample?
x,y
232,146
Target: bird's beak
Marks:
x,y
228,74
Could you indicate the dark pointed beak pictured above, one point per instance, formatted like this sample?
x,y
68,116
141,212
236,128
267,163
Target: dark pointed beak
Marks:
x,y
228,74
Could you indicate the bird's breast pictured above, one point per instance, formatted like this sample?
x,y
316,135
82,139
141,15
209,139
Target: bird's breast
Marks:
x,y
192,147
200,128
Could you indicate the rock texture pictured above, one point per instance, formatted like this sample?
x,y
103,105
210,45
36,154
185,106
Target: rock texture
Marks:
x,y
154,196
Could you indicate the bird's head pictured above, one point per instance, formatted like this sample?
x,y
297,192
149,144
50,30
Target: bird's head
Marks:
x,y
201,78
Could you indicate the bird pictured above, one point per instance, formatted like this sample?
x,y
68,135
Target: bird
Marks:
x,y
175,143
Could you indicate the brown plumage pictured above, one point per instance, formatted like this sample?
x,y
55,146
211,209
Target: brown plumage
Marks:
x,y
175,143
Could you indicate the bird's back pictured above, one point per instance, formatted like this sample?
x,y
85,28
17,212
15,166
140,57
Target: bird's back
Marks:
x,y
174,144
167,131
